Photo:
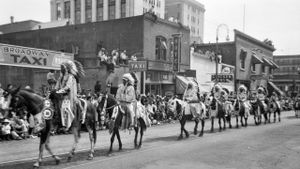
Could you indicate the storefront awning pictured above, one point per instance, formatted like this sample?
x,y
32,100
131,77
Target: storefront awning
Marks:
x,y
275,66
256,60
276,88
267,62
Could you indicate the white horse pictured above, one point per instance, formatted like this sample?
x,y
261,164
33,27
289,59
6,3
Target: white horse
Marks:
x,y
182,109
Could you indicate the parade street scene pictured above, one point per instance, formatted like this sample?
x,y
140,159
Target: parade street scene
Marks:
x,y
149,84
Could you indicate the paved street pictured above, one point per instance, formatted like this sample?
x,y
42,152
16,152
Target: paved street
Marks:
x,y
271,146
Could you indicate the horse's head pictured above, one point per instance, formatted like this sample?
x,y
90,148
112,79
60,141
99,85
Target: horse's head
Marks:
x,y
18,99
14,99
174,105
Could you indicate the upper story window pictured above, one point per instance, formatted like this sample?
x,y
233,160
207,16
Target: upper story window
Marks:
x,y
58,11
111,9
77,11
161,48
67,10
243,55
99,10
88,10
123,8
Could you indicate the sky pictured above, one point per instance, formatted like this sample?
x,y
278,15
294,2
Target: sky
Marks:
x,y
276,20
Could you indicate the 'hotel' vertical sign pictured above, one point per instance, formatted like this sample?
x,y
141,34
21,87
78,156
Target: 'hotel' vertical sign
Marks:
x,y
176,53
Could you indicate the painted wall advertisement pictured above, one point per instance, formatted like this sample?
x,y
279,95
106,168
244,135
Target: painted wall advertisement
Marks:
x,y
13,55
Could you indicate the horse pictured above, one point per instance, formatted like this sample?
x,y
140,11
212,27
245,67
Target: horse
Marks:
x,y
108,104
179,108
43,113
262,110
275,109
243,109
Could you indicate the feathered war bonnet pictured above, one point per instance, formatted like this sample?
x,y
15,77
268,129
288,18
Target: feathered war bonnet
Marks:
x,y
75,68
262,89
242,89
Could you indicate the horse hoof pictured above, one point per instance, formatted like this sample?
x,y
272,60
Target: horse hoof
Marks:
x,y
212,130
201,134
237,126
195,132
90,157
120,148
187,135
57,160
180,137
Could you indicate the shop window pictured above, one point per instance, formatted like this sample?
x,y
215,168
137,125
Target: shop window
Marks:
x,y
161,48
271,70
253,67
263,69
243,55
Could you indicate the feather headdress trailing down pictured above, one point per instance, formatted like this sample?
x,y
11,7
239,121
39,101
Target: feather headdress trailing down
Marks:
x,y
75,68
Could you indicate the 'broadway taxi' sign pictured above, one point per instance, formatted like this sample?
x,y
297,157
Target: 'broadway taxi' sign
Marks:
x,y
13,55
137,66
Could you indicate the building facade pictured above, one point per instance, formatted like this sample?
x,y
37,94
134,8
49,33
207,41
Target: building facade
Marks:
x,y
206,73
253,60
164,45
190,13
84,11
287,77
18,26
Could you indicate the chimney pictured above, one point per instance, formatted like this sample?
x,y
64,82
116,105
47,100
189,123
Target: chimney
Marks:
x,y
11,19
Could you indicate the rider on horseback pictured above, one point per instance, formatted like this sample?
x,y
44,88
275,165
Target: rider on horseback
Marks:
x,y
126,96
68,86
191,97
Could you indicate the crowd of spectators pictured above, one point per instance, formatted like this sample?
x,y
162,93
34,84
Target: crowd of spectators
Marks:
x,y
14,125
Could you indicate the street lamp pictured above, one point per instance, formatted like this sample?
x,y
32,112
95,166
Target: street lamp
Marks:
x,y
218,55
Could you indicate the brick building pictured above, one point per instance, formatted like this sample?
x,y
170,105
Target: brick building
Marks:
x,y
148,37
287,77
253,60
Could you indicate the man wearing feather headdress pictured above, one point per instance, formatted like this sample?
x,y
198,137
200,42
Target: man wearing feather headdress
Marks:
x,y
68,84
126,96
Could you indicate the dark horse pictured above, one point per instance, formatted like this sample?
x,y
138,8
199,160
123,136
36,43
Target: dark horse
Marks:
x,y
113,112
35,105
177,106
275,109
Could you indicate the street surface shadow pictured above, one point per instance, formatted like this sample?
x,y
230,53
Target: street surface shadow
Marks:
x,y
49,162
292,117
168,138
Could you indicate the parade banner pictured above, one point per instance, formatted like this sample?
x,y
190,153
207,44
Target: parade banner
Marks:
x,y
13,55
